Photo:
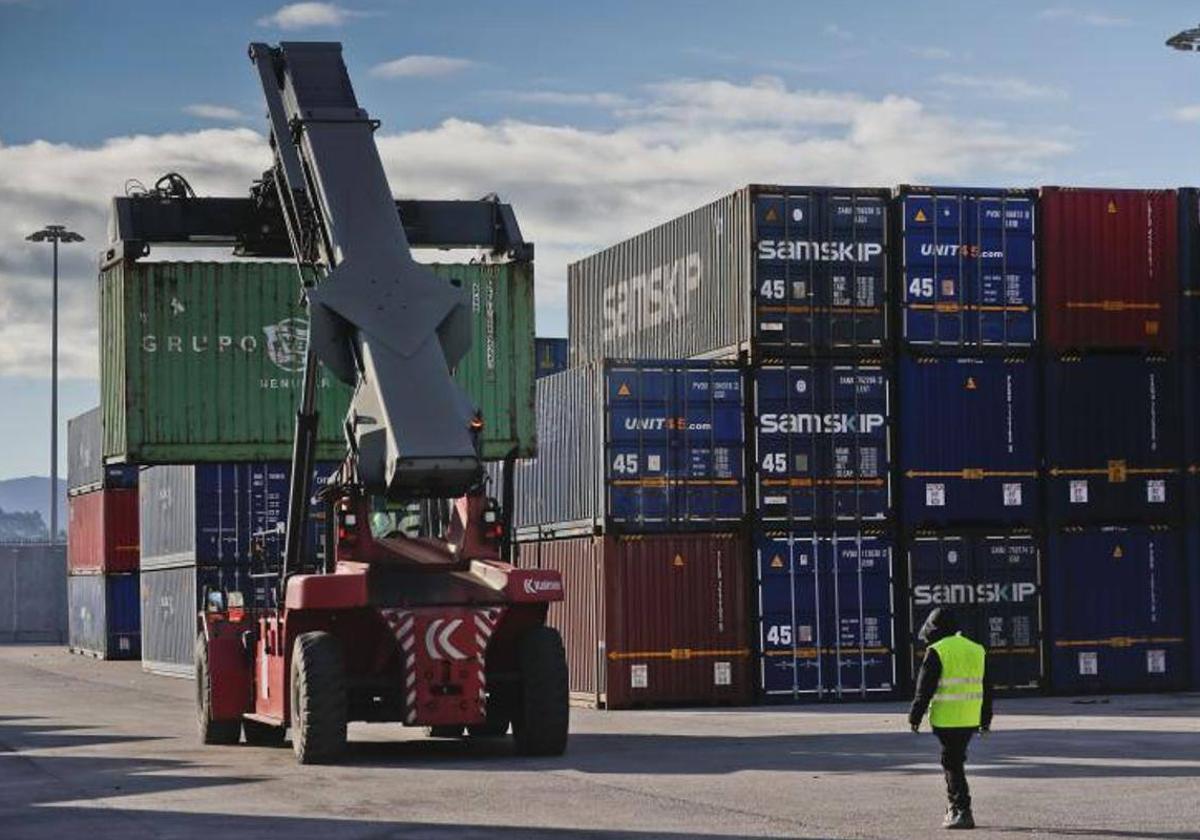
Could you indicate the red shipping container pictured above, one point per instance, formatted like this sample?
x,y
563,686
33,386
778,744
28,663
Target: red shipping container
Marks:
x,y
652,620
102,532
1109,268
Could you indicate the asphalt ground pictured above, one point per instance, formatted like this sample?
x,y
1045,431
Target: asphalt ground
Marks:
x,y
98,750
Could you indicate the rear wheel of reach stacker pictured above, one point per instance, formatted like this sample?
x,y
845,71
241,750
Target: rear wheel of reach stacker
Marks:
x,y
211,731
541,714
318,698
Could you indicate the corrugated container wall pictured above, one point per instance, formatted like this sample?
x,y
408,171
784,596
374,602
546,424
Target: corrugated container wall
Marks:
x,y
969,276
551,355
826,627
969,450
1189,268
822,442
1117,610
1109,268
777,271
653,620
33,593
201,362
221,514
637,446
103,615
102,532
86,470
993,583
1113,441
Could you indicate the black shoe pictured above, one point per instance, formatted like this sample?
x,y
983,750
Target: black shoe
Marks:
x,y
958,819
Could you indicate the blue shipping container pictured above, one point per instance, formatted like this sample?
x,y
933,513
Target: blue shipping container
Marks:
x,y
675,444
820,278
1113,443
826,614
969,441
993,583
1191,431
823,442
1117,610
1189,268
104,615
969,274
220,514
1191,558
550,355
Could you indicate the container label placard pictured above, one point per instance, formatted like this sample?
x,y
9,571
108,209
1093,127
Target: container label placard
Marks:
x,y
1079,492
1156,661
1088,664
1156,491
722,673
639,676
935,495
1012,495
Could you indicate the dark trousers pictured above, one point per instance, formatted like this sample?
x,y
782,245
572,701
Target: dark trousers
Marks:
x,y
954,759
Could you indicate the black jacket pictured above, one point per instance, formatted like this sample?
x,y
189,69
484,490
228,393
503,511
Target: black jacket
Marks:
x,y
927,683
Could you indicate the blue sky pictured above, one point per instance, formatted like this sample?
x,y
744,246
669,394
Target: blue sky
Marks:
x,y
595,119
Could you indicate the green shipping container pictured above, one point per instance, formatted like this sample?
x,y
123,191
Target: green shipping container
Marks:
x,y
201,361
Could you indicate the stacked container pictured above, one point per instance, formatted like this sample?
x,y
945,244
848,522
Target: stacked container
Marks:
x,y
969,453
636,497
210,527
1116,576
102,547
1189,276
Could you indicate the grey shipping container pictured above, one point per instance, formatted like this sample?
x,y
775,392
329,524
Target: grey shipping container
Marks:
x,y
103,616
772,270
33,593
86,470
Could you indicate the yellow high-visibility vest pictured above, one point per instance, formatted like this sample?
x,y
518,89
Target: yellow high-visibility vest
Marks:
x,y
958,701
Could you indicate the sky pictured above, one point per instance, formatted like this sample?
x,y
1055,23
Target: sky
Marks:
x,y
595,120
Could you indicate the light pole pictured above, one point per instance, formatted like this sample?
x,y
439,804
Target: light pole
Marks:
x,y
1188,40
54,234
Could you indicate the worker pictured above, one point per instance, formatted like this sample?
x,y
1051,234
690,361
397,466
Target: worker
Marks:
x,y
953,685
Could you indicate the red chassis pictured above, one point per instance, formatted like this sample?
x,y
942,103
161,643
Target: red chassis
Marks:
x,y
429,633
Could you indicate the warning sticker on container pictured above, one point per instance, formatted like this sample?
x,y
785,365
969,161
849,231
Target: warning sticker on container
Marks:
x,y
935,495
654,463
775,500
123,643
639,676
1079,492
1156,491
804,633
770,326
1012,495
722,673
1088,665
1156,662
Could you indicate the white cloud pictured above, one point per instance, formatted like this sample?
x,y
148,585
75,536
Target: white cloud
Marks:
x,y
1186,113
214,112
1090,17
420,66
598,99
841,34
932,53
1002,87
574,189
306,15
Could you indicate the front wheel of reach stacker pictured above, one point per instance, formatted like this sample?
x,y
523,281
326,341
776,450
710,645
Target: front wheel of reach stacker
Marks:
x,y
211,731
318,698
542,712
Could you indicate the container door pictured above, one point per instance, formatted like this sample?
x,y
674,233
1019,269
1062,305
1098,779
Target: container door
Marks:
x,y
708,446
639,454
1008,617
857,581
789,632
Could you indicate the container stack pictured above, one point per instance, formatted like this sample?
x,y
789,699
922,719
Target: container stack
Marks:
x,y
636,497
102,547
1116,576
1189,276
969,432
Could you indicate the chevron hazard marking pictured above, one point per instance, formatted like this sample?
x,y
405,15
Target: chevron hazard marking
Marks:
x,y
437,639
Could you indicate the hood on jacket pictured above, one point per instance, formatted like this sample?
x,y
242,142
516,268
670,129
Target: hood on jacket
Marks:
x,y
940,624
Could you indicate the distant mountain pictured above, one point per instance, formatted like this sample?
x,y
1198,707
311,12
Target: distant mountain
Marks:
x,y
31,494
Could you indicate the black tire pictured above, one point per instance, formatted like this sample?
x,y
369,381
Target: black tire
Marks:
x,y
211,731
259,734
499,715
445,730
543,712
318,698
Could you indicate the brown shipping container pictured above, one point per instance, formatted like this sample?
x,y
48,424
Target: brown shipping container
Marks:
x,y
102,534
652,620
1109,268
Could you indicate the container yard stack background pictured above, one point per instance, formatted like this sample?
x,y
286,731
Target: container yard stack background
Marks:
x,y
102,547
969,422
1116,576
1189,276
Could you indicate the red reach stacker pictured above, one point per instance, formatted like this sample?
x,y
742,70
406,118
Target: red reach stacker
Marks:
x,y
426,627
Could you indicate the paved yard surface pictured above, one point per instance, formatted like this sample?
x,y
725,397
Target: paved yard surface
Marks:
x,y
101,750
